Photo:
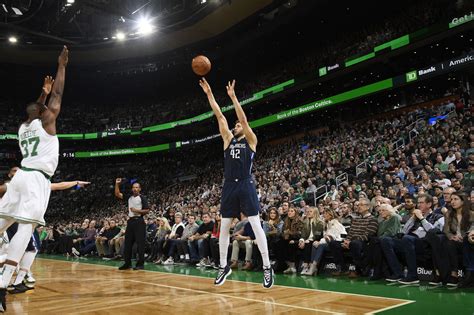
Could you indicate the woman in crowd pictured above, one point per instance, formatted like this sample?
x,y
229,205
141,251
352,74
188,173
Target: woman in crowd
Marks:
x,y
312,231
288,245
333,231
159,240
458,221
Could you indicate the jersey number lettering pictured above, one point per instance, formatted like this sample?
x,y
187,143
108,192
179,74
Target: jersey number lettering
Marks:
x,y
27,143
235,153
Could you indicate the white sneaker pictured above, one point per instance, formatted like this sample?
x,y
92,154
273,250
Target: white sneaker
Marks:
x,y
76,252
29,278
290,270
169,261
202,263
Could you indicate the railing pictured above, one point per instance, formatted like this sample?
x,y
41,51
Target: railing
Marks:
x,y
361,168
321,191
343,178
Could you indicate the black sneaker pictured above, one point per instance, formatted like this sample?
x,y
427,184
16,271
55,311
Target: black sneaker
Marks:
x,y
468,281
436,281
393,278
268,278
125,267
409,280
452,282
141,267
19,288
222,275
3,300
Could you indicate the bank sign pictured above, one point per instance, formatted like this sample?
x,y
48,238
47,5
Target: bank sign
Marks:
x,y
440,67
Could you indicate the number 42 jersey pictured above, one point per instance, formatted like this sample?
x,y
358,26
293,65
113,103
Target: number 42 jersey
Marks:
x,y
238,160
40,150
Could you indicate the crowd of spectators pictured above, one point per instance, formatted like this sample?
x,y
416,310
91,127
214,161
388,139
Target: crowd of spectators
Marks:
x,y
382,193
112,116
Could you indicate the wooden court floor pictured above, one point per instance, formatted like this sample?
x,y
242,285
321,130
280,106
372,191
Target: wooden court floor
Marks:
x,y
78,288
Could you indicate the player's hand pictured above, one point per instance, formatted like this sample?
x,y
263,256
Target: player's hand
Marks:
x,y
316,244
63,57
82,184
48,84
205,86
230,88
118,180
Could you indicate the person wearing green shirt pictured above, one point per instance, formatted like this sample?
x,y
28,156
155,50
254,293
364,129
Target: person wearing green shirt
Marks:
x,y
389,226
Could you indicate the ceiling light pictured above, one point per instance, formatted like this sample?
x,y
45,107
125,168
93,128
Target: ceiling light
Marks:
x,y
70,1
144,26
12,39
120,36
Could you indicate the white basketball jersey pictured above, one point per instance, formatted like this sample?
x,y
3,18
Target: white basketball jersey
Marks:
x,y
40,150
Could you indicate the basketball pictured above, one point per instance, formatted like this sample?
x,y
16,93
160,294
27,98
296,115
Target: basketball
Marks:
x,y
201,65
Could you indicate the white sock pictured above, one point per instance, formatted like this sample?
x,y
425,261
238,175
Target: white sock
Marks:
x,y
19,277
27,260
16,250
181,256
186,256
224,239
7,275
261,239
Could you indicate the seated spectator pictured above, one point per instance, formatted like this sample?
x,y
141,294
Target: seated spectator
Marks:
x,y
174,236
405,210
346,215
117,243
87,241
389,226
459,162
468,254
362,229
312,231
243,239
333,230
200,239
182,244
100,239
412,241
157,247
288,245
448,246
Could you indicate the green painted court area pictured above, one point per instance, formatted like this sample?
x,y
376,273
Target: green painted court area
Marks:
x,y
427,300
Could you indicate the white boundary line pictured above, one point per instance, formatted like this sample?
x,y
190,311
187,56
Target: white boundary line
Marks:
x,y
391,307
402,301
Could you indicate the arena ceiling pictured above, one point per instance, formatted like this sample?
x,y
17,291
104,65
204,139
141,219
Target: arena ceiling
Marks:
x,y
31,31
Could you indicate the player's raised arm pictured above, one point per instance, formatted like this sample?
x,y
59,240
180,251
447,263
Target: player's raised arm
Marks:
x,y
223,126
67,185
47,86
54,105
118,194
248,132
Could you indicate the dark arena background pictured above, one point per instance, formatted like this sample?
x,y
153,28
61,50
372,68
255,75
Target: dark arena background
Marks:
x,y
363,172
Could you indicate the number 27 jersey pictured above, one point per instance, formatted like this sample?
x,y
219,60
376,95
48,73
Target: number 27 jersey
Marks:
x,y
40,150
238,160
